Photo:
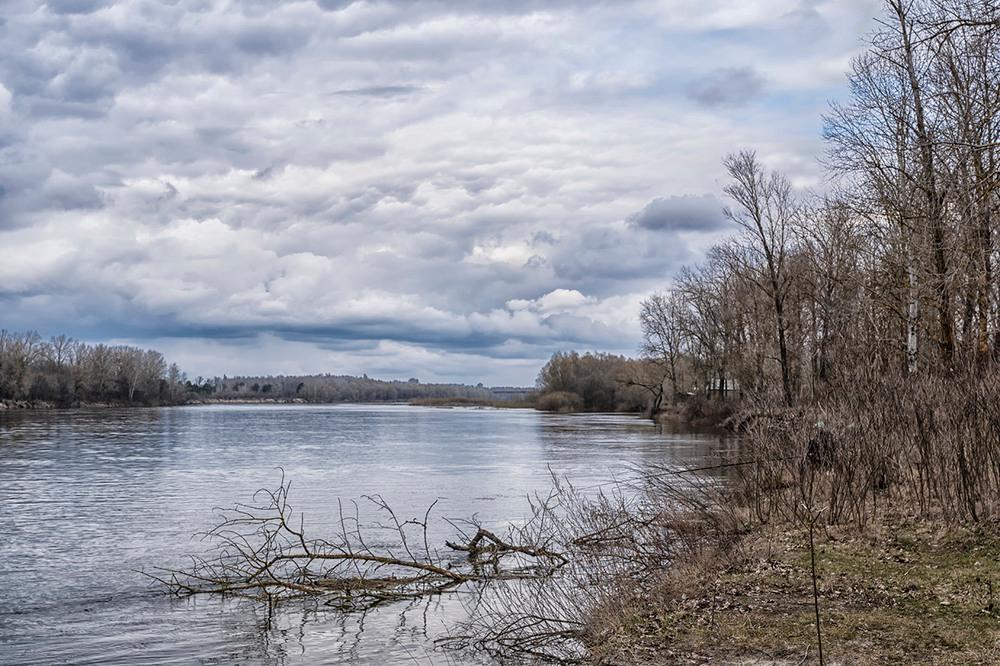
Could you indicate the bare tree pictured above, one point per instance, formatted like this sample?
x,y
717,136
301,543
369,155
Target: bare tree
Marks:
x,y
765,211
660,317
830,245
903,51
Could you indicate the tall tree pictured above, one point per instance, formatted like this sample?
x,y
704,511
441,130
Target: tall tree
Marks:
x,y
765,211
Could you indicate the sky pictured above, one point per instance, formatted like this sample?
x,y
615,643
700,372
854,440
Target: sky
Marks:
x,y
443,189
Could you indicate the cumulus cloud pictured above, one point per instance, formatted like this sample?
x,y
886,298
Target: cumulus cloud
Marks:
x,y
414,188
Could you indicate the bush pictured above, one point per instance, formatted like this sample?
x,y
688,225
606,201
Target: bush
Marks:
x,y
926,442
599,382
559,401
700,410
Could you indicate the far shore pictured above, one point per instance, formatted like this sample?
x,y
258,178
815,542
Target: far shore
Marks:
x,y
444,403
30,405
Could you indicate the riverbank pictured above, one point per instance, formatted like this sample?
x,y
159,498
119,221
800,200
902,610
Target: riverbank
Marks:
x,y
900,481
697,413
905,590
14,405
28,405
10,405
472,402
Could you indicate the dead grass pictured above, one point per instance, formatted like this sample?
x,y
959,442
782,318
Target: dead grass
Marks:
x,y
906,592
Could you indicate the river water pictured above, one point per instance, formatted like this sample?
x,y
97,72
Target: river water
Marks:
x,y
89,498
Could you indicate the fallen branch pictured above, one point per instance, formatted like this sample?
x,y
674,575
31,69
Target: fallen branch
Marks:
x,y
495,548
259,553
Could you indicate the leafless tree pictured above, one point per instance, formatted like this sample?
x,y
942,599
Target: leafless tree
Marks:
x,y
663,337
765,212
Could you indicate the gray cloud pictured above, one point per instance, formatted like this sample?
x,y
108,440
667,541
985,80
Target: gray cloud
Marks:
x,y
379,91
479,6
681,213
76,6
727,86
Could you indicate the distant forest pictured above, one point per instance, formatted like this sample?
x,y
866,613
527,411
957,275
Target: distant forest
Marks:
x,y
346,388
65,372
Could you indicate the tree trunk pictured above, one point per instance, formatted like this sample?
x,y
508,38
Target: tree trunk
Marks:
x,y
912,316
935,200
786,378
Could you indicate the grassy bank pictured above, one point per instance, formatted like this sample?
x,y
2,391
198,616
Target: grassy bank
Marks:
x,y
906,590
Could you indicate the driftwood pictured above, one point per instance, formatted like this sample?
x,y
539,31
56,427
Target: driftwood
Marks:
x,y
260,551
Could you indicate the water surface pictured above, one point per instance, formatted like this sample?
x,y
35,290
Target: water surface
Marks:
x,y
90,497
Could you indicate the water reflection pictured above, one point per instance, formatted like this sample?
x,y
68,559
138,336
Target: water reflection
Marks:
x,y
90,497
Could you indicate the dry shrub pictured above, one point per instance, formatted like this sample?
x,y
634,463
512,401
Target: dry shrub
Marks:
x,y
700,410
620,542
926,443
932,442
559,401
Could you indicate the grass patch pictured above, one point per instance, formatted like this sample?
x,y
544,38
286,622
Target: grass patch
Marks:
x,y
906,592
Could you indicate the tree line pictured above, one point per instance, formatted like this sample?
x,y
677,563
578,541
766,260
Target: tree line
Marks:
x,y
892,270
340,388
64,372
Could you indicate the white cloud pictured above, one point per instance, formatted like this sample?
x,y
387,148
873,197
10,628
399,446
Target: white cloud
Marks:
x,y
5,98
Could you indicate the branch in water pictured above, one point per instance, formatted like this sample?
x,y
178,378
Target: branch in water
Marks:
x,y
258,553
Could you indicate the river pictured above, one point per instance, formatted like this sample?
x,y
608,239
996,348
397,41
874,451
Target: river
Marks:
x,y
89,498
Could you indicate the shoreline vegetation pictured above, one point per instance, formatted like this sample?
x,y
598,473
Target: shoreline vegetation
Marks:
x,y
30,405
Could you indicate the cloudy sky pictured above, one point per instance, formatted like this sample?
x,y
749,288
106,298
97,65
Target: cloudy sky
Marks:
x,y
450,189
